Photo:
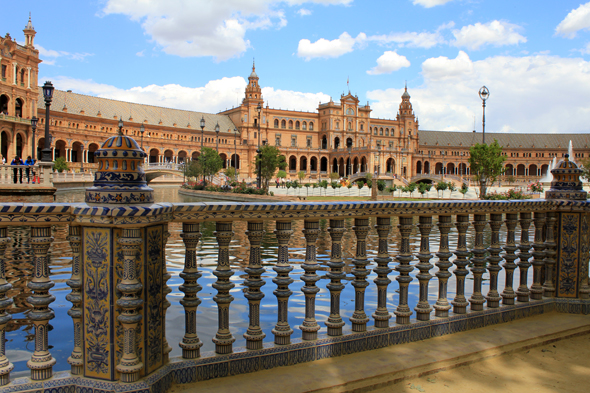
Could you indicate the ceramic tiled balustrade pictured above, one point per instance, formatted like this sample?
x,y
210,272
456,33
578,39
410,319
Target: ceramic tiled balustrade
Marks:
x,y
558,255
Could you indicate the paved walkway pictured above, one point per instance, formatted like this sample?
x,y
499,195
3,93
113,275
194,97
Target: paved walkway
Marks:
x,y
561,339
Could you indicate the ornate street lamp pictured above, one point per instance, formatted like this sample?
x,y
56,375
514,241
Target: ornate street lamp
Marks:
x,y
217,132
235,154
202,129
47,96
484,94
142,130
258,151
34,121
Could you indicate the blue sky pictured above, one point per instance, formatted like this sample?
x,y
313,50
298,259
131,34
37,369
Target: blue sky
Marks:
x,y
189,54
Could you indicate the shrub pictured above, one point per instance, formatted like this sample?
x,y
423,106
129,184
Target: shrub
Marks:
x,y
381,185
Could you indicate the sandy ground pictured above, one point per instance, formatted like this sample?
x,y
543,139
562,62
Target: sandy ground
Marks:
x,y
563,366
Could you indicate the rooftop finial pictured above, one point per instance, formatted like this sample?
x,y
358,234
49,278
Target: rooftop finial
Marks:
x,y
253,64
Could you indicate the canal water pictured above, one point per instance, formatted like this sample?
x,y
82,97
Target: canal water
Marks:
x,y
20,331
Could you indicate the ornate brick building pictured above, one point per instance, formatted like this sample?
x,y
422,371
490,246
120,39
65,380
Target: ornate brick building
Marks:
x,y
338,137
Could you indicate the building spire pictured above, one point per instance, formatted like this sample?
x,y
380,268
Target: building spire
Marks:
x,y
29,33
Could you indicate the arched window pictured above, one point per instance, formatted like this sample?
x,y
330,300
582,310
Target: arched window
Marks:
x,y
276,123
381,131
304,125
290,124
311,125
375,131
387,132
362,128
297,125
350,126
283,124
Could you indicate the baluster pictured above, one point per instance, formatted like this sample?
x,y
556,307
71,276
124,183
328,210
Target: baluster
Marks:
x,y
310,326
76,361
479,261
166,348
550,251
41,363
460,302
508,293
282,330
130,364
381,314
335,322
442,305
493,298
5,302
223,338
538,257
522,293
423,308
254,334
190,344
404,268
359,318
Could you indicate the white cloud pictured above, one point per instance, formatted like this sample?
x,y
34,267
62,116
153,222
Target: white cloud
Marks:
x,y
531,94
288,99
50,56
140,53
410,39
578,19
325,48
430,3
205,28
497,33
304,12
442,67
388,62
215,96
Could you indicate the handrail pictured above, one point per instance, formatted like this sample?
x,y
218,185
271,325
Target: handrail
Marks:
x,y
406,219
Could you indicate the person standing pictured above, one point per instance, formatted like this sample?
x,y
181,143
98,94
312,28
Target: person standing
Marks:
x,y
29,163
17,172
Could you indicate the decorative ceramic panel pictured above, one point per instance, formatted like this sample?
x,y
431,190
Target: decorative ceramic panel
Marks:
x,y
153,286
568,255
96,300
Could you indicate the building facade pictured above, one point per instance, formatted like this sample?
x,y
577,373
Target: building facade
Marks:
x,y
339,137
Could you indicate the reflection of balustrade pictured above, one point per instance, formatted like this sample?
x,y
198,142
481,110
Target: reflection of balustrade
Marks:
x,y
557,273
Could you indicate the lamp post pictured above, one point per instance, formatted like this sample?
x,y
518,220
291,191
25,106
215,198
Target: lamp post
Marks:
x,y
217,132
235,153
258,151
349,169
484,94
34,121
48,96
202,129
142,130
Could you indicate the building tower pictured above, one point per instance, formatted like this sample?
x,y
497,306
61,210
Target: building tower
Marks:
x,y
253,91
29,34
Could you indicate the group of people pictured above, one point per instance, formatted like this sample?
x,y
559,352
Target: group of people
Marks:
x,y
18,172
281,183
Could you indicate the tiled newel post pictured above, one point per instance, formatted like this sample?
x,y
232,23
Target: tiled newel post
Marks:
x,y
122,276
572,237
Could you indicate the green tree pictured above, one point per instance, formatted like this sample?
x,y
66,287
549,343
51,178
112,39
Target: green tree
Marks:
x,y
451,187
231,172
193,169
210,162
441,186
463,190
360,184
301,175
411,188
381,185
486,162
334,176
60,164
423,188
271,159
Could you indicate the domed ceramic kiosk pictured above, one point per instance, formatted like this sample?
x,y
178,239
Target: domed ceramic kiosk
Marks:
x,y
120,178
566,182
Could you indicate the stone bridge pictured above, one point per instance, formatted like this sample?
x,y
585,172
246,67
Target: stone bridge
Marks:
x,y
156,170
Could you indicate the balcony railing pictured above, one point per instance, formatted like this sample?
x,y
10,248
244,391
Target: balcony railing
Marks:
x,y
536,260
